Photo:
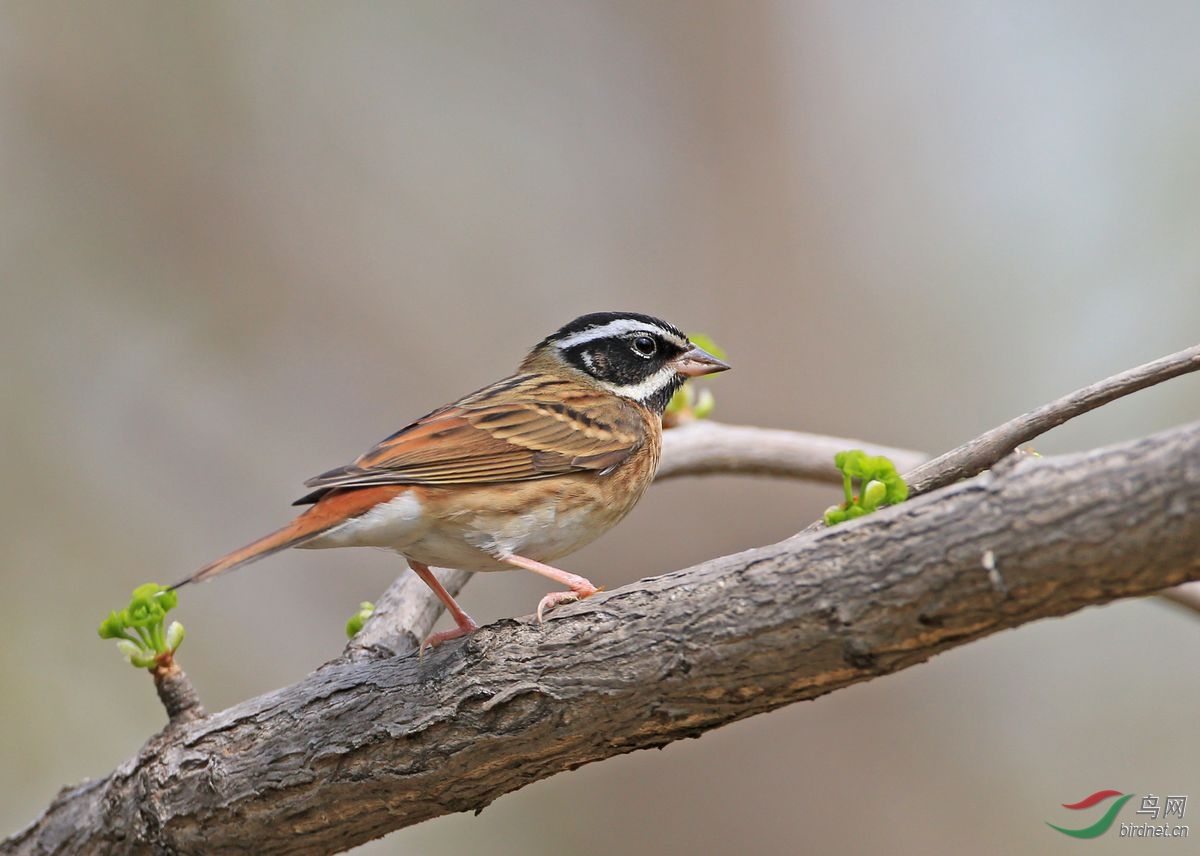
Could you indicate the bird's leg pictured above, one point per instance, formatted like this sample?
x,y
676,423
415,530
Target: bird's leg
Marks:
x,y
465,624
580,587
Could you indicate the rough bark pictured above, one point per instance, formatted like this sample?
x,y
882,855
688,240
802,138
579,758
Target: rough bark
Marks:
x,y
175,691
360,748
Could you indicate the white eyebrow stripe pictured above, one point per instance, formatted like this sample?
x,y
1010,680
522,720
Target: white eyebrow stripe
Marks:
x,y
658,381
615,328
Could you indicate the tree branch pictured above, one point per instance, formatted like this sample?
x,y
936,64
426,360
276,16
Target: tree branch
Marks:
x,y
176,692
361,748
979,454
403,616
708,448
705,448
1186,596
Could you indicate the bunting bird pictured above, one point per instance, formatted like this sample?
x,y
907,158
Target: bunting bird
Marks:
x,y
518,474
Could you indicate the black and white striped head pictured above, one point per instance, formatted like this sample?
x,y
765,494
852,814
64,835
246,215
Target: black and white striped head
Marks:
x,y
635,356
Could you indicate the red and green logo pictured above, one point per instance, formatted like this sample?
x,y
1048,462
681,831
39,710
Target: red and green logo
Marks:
x,y
1100,826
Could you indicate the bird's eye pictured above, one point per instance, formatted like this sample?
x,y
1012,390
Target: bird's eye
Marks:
x,y
645,346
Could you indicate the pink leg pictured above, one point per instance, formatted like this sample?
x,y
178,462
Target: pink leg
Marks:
x,y
580,587
465,624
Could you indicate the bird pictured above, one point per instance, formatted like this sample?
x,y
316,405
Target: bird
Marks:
x,y
514,475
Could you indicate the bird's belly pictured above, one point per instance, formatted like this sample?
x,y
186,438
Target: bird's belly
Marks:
x,y
473,529
473,542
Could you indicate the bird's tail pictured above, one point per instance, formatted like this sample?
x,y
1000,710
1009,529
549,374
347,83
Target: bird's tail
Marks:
x,y
331,511
288,536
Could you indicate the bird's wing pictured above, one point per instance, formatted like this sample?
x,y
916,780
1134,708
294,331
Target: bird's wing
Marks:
x,y
498,438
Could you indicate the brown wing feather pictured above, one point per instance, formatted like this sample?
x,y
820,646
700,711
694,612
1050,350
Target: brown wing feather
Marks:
x,y
506,432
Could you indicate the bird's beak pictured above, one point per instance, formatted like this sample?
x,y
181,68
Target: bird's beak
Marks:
x,y
697,362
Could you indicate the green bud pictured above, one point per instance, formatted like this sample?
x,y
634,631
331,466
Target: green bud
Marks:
x,y
147,591
875,474
168,599
705,402
897,491
356,622
135,654
856,464
113,627
139,627
143,612
834,515
165,598
129,650
874,493
681,400
174,636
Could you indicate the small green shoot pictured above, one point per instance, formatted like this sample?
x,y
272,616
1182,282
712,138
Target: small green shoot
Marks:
x,y
139,631
687,404
365,610
877,482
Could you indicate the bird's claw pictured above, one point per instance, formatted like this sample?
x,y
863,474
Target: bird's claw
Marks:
x,y
557,598
435,639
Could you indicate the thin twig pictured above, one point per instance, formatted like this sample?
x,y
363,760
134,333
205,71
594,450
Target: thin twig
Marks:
x,y
403,616
988,448
1186,596
176,692
709,448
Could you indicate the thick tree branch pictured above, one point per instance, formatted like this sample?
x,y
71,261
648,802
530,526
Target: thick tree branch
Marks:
x,y
360,748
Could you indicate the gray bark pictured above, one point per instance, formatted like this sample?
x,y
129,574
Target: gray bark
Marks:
x,y
360,748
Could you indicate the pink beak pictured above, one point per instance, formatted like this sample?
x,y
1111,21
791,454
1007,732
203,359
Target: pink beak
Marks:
x,y
697,362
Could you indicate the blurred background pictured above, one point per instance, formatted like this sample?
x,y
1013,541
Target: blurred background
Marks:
x,y
240,243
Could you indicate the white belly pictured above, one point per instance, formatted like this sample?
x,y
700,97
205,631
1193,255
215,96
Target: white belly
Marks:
x,y
473,539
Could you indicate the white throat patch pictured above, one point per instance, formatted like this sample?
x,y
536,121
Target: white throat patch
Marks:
x,y
645,389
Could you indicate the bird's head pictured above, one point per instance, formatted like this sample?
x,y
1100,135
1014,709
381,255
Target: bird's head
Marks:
x,y
635,356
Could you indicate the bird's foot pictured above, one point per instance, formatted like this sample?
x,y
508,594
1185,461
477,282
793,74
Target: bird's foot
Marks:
x,y
580,587
464,628
466,625
557,598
